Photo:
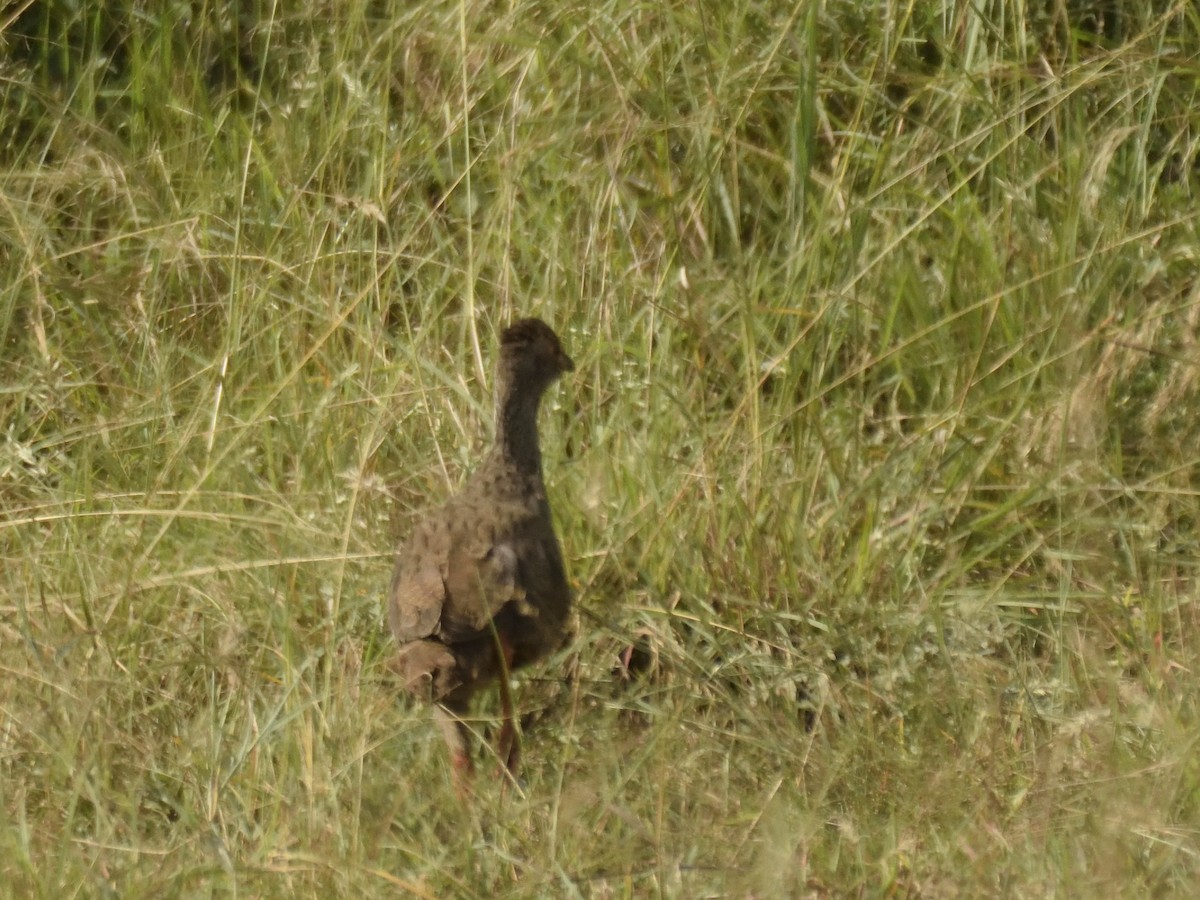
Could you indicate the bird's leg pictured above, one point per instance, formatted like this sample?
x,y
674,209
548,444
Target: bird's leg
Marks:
x,y
510,741
457,737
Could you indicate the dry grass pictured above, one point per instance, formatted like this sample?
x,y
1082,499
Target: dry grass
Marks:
x,y
881,453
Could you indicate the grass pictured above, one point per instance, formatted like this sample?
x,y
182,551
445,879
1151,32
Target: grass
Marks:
x,y
881,451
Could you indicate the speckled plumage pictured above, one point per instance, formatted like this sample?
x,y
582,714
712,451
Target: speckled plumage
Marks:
x,y
480,586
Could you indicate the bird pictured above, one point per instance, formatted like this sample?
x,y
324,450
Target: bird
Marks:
x,y
479,587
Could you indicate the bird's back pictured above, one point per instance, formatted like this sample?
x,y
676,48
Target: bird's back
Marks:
x,y
487,559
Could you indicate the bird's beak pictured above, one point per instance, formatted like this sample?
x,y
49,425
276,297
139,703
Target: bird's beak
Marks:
x,y
568,364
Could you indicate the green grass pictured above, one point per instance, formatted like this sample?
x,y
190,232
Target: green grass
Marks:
x,y
882,449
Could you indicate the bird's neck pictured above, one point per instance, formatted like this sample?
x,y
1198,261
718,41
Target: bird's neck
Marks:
x,y
516,429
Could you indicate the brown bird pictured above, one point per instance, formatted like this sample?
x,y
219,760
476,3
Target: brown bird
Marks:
x,y
480,588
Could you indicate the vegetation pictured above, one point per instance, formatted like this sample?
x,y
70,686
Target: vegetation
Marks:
x,y
877,478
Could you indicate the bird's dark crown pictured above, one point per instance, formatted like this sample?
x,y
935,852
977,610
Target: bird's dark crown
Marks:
x,y
536,337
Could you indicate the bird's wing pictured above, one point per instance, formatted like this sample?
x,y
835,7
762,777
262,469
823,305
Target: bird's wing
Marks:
x,y
482,576
418,591
465,564
457,570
